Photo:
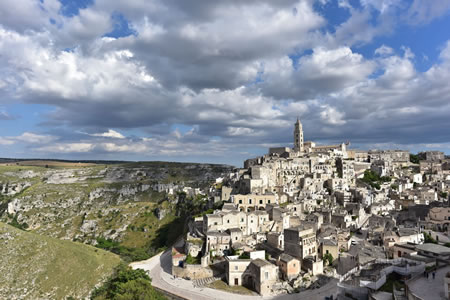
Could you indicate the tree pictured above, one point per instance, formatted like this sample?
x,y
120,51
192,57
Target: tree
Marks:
x,y
429,239
327,257
128,284
190,260
414,158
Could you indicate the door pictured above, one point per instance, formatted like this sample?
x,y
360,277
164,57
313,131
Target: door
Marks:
x,y
236,281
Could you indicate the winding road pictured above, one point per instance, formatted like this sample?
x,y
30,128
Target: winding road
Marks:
x,y
159,269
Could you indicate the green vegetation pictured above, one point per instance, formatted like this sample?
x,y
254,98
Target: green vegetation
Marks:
x,y
220,285
127,284
112,206
111,197
329,258
430,268
40,267
429,239
414,158
444,195
193,260
217,205
392,281
374,180
284,204
244,255
128,254
15,223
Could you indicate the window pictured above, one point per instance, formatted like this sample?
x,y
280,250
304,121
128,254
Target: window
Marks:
x,y
242,219
228,221
267,275
249,201
215,223
294,265
236,268
260,202
251,221
240,201
268,201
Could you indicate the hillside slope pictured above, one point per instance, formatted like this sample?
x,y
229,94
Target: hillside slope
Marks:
x,y
39,267
88,203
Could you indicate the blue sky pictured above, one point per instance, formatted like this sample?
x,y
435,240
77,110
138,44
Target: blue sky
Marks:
x,y
220,81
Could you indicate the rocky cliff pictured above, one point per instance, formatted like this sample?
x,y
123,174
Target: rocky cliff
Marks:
x,y
117,202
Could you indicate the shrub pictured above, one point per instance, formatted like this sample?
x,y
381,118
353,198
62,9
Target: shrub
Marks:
x,y
127,254
329,258
429,238
190,260
127,283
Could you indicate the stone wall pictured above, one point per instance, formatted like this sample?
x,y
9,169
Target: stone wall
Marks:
x,y
192,272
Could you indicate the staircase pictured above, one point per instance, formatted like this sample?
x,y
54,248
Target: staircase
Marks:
x,y
204,281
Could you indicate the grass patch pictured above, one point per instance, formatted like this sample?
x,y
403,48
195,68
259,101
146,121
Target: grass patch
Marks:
x,y
392,281
221,285
37,267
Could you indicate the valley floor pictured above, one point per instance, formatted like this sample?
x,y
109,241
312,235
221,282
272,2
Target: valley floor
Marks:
x,y
159,269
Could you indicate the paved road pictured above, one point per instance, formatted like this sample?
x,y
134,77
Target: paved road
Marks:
x,y
429,288
159,268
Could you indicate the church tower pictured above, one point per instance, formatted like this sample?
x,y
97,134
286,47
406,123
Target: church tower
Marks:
x,y
298,136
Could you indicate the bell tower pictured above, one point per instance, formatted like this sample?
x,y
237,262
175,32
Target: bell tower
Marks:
x,y
298,136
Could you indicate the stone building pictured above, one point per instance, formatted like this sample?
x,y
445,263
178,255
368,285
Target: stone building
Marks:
x,y
434,156
289,266
328,246
298,136
247,222
300,242
235,269
262,276
258,274
276,240
251,202
218,242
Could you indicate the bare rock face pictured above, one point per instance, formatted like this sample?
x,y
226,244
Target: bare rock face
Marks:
x,y
89,226
11,189
89,202
13,206
282,288
160,213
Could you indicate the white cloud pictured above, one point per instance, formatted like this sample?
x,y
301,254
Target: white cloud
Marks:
x,y
6,141
332,116
110,133
32,138
235,72
384,50
322,72
5,115
132,147
67,148
423,12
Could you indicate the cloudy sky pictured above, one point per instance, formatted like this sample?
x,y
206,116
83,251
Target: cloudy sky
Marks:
x,y
220,81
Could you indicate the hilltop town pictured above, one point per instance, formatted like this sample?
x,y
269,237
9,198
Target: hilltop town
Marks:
x,y
373,223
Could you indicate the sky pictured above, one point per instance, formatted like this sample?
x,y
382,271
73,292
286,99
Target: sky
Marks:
x,y
220,81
